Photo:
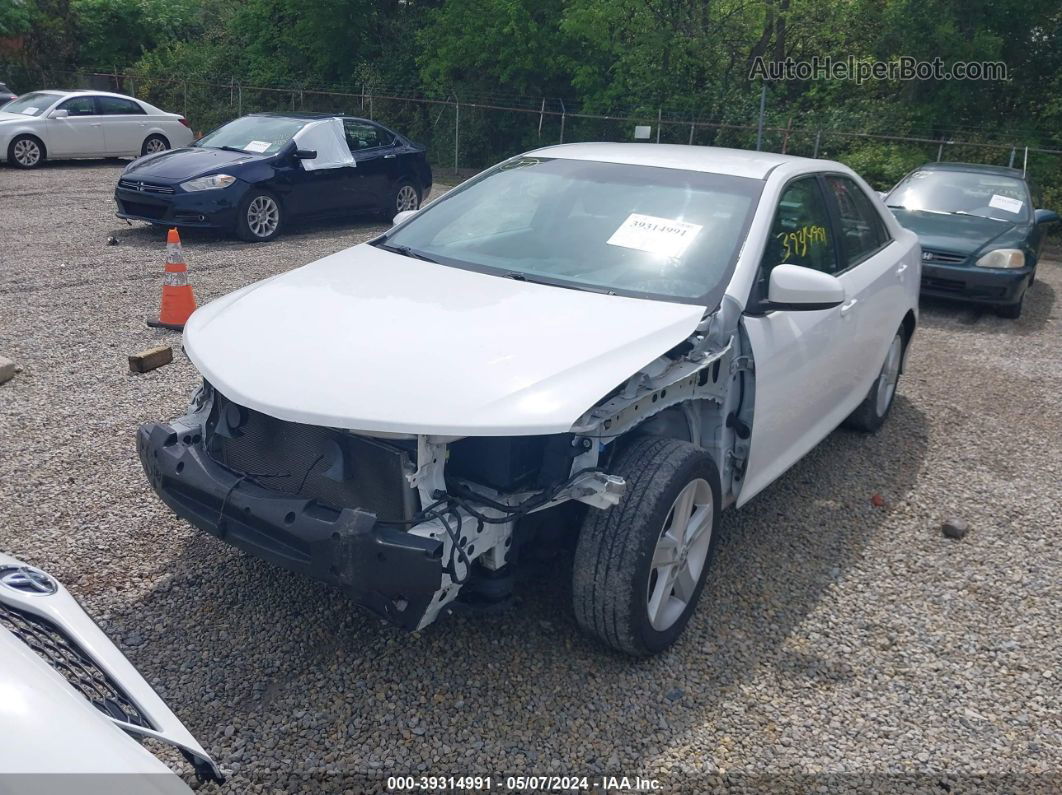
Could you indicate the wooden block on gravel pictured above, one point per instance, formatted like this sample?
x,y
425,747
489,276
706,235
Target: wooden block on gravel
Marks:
x,y
7,369
150,359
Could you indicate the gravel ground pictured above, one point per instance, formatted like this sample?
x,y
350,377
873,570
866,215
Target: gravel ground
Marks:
x,y
839,643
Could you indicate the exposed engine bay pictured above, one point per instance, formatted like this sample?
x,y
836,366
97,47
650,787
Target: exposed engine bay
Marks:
x,y
405,522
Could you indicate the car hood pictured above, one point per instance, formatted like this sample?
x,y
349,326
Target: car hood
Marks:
x,y
370,340
187,163
960,234
9,117
53,727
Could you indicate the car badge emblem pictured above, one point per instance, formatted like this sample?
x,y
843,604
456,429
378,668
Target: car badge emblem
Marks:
x,y
28,580
927,255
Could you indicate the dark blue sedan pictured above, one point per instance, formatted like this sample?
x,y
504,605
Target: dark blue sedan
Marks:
x,y
257,173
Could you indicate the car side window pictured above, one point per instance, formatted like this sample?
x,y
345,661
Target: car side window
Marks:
x,y
116,106
862,230
362,135
79,106
800,234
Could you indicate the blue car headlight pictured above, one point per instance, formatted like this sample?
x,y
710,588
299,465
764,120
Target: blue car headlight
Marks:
x,y
1002,258
212,182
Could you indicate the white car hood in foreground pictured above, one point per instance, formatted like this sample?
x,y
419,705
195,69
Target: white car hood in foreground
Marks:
x,y
370,340
52,738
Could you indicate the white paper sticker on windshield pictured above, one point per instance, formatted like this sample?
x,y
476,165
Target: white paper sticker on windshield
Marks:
x,y
257,146
1005,203
30,111
655,235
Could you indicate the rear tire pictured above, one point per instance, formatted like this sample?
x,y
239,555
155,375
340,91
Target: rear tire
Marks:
x,y
154,144
641,565
259,217
26,151
404,197
871,413
1011,311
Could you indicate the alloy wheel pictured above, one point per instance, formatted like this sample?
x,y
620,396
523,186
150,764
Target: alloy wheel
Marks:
x,y
680,554
263,216
890,374
27,152
154,146
407,199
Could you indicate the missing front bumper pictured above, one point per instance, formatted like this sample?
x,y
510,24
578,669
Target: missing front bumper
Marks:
x,y
393,573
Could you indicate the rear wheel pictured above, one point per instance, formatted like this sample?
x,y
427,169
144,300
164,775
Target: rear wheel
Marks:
x,y
404,197
875,407
25,151
640,566
259,217
154,144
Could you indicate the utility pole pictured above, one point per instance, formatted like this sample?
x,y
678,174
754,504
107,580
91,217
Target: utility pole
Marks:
x,y
763,108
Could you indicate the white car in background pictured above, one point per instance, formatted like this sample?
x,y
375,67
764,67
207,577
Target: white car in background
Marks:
x,y
85,124
71,704
656,331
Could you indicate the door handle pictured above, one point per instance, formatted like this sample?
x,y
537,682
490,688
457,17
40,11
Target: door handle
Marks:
x,y
388,157
846,308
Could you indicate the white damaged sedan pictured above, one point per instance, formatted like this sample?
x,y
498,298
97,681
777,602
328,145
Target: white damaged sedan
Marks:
x,y
71,704
604,344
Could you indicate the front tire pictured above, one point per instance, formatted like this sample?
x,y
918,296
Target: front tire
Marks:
x,y
1011,311
25,151
259,217
154,144
641,565
871,413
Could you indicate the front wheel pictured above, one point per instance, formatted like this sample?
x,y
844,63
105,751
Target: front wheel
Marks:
x,y
640,566
259,217
1011,311
25,151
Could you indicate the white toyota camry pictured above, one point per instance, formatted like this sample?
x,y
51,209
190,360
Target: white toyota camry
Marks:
x,y
71,704
655,331
85,124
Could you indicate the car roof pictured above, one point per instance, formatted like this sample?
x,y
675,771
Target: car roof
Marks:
x,y
78,92
977,168
710,159
312,116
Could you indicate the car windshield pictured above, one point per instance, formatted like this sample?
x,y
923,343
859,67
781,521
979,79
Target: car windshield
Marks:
x,y
635,230
264,135
31,104
995,196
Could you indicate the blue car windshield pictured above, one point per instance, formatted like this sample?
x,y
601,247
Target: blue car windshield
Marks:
x,y
263,135
994,196
608,227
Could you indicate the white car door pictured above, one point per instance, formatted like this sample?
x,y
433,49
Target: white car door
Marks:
x,y
804,357
124,125
79,134
875,276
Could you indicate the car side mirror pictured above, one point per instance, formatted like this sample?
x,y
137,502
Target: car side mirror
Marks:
x,y
1046,216
405,215
306,154
796,288
59,114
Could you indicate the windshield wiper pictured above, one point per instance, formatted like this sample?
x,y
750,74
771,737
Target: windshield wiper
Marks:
x,y
406,251
518,276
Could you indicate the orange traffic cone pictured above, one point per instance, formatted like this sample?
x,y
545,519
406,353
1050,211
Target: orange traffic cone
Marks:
x,y
178,303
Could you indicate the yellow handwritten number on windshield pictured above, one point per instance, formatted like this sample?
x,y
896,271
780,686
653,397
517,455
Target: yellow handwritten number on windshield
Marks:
x,y
798,241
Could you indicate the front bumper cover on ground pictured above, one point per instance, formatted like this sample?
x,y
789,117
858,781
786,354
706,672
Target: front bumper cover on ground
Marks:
x,y
393,573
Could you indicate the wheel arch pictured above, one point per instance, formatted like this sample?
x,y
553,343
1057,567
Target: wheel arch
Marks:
x,y
26,133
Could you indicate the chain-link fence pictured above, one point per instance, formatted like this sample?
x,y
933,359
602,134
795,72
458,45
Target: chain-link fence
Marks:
x,y
466,134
